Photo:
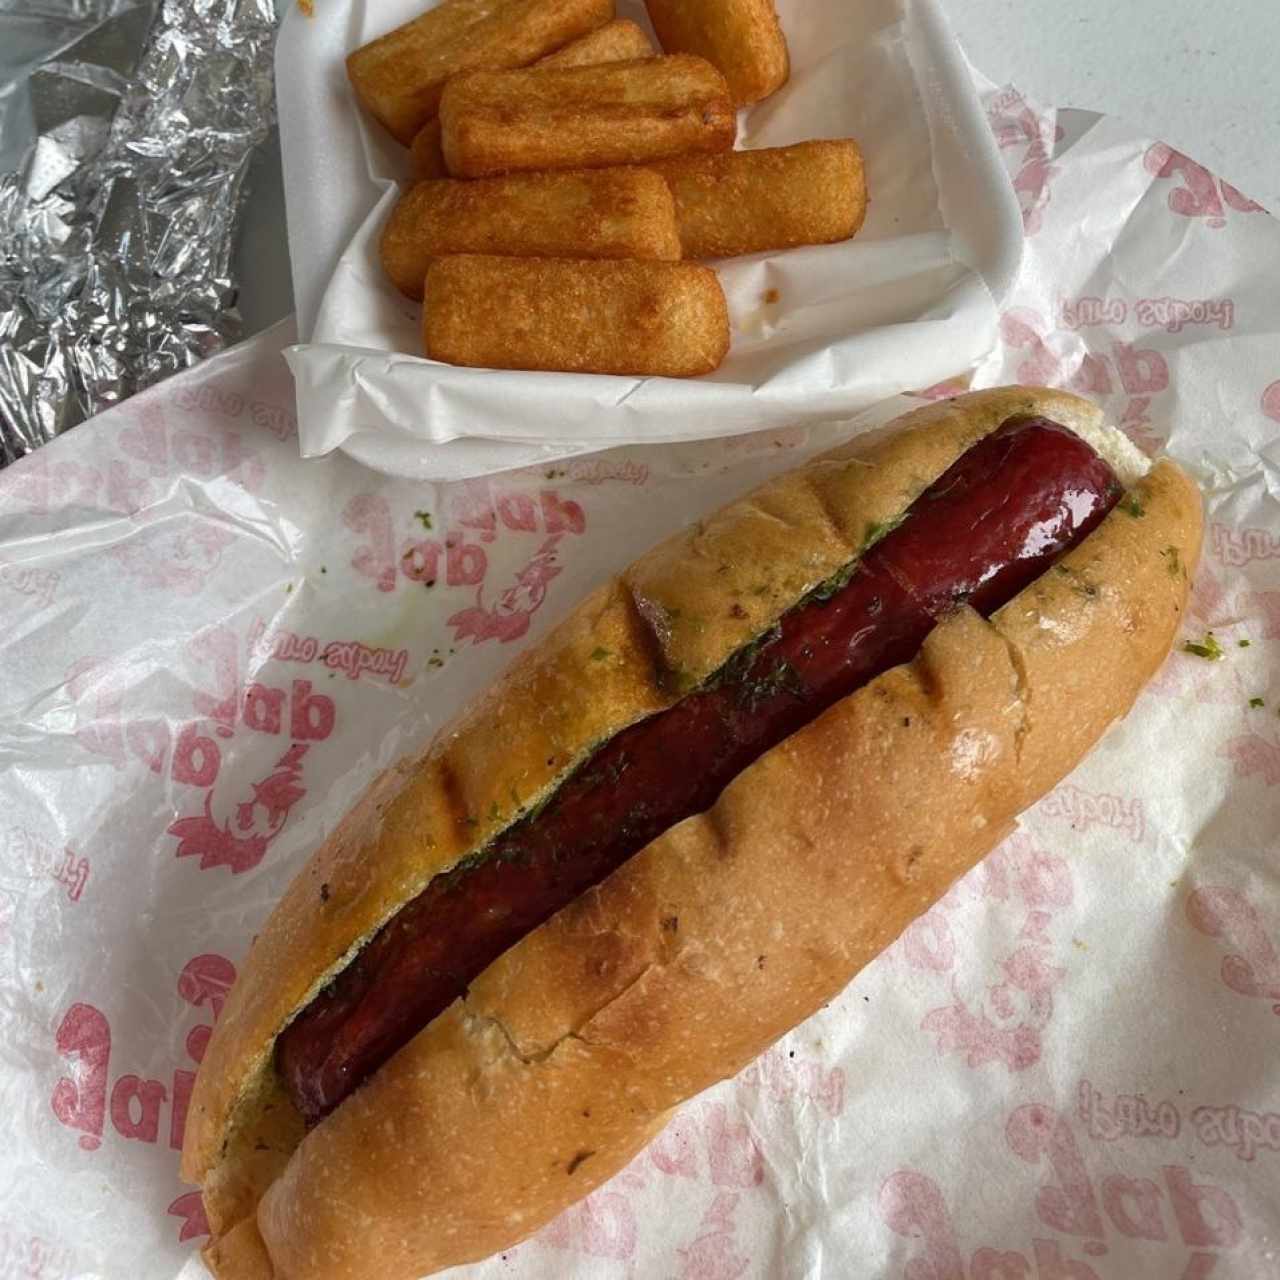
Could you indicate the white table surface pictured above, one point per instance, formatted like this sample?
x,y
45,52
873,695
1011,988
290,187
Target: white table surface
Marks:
x,y
1201,75
1204,77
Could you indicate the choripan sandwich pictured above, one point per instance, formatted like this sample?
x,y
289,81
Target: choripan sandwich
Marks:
x,y
675,828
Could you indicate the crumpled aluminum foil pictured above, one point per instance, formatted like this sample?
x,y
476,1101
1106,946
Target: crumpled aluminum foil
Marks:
x,y
126,131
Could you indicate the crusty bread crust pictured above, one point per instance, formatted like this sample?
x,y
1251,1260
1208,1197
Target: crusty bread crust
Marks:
x,y
933,761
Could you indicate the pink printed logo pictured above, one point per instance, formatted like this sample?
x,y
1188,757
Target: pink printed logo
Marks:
x,y
1091,311
733,1158
1241,1131
1006,1023
1084,809
943,390
1271,402
166,558
1236,548
73,874
240,841
82,1101
474,514
164,450
1127,1115
27,1257
1206,1215
1139,373
1252,968
1253,756
714,1252
190,1208
39,584
602,470
235,831
1201,195
1238,1129
1018,127
1201,1216
509,617
703,1141
352,657
1167,313
601,1226
782,1078
24,850
279,420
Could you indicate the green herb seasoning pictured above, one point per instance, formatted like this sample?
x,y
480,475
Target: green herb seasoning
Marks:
x,y
877,531
423,518
1209,648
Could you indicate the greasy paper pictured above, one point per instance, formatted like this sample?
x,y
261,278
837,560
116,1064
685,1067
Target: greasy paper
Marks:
x,y
817,331
1064,1071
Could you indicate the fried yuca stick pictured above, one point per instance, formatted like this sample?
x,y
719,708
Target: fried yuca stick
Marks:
x,y
623,317
583,213
399,76
584,117
617,41
741,37
775,198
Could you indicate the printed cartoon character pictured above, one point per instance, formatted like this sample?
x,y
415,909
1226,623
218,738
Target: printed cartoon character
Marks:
x,y
235,833
1007,1022
1007,1025
1015,124
171,555
1252,967
509,618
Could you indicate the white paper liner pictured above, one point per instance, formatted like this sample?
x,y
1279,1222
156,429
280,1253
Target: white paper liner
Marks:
x,y
1066,1069
906,301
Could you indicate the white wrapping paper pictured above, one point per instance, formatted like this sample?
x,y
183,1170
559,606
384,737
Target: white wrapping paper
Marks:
x,y
817,331
1065,1071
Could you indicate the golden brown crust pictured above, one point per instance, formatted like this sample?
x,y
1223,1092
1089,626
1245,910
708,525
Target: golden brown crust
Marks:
x,y
400,76
426,153
574,213
663,319
611,989
741,37
584,117
742,202
617,41
239,1254
582,1037
667,622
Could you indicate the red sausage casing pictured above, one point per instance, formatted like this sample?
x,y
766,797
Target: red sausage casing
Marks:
x,y
996,519
571,1048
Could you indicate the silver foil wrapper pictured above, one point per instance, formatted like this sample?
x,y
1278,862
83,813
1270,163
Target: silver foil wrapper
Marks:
x,y
126,131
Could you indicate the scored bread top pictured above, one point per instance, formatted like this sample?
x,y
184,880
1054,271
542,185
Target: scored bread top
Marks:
x,y
665,624
687,962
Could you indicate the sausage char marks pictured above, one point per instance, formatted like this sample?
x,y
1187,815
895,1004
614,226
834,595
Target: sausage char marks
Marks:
x,y
987,527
